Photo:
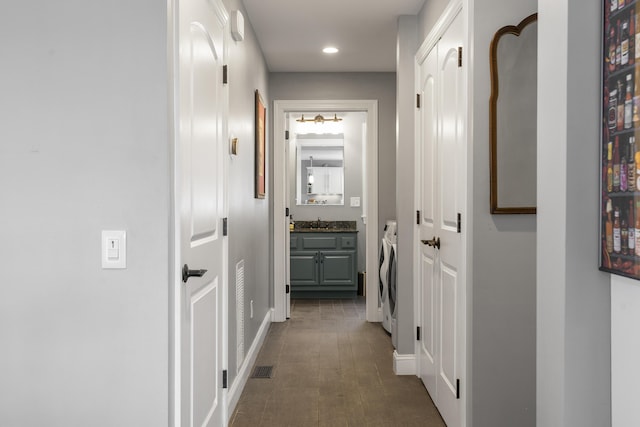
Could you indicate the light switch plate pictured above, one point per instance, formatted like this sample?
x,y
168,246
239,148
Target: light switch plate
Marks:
x,y
355,202
114,249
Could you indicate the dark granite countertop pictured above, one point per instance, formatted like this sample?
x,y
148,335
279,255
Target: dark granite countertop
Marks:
x,y
323,230
325,227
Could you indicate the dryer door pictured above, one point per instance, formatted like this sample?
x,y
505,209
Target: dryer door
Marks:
x,y
392,279
384,271
393,294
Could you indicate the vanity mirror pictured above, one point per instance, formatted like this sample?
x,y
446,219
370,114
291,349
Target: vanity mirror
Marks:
x,y
513,118
320,169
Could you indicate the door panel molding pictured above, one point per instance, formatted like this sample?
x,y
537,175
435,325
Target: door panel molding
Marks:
x,y
204,311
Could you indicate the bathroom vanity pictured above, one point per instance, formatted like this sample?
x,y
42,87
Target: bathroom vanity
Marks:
x,y
324,259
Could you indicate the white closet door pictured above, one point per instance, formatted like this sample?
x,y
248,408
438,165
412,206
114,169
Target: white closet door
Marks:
x,y
442,188
450,198
200,197
427,202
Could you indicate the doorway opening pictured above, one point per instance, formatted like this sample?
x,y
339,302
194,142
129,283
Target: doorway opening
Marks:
x,y
288,196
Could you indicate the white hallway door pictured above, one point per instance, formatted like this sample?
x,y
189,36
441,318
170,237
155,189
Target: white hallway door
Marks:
x,y
200,199
287,198
441,176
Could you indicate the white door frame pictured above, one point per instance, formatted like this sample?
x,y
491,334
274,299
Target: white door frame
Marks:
x,y
175,267
281,222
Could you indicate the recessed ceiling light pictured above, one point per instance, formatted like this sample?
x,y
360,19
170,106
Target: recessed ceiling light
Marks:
x,y
330,50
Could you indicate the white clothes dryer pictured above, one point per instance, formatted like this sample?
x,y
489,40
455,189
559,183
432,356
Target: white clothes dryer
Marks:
x,y
393,293
383,294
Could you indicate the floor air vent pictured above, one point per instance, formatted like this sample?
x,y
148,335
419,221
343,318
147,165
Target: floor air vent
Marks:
x,y
262,372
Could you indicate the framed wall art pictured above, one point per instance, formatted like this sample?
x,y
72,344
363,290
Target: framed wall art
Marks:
x,y
261,128
620,123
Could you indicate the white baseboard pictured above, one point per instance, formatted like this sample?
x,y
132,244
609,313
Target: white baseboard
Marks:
x,y
404,364
243,375
379,315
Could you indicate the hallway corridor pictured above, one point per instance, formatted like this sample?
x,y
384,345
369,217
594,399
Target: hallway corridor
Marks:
x,y
332,368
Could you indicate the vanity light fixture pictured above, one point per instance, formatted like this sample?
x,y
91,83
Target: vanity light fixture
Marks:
x,y
330,49
319,119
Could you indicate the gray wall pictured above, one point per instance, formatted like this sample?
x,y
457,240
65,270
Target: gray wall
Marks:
x,y
353,156
503,320
248,217
405,179
573,297
353,86
84,147
428,15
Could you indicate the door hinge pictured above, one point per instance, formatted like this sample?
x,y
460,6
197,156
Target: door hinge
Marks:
x,y
458,389
286,135
459,56
459,222
225,75
224,379
417,100
286,212
288,289
418,217
225,228
418,333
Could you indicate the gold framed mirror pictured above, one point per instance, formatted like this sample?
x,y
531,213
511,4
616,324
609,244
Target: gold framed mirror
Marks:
x,y
513,118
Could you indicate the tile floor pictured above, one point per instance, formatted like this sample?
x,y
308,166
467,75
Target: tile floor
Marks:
x,y
332,368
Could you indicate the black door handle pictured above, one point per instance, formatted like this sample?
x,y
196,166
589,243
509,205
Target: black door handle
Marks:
x,y
186,273
432,242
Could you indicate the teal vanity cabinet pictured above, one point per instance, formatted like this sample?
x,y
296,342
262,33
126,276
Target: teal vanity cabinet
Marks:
x,y
324,264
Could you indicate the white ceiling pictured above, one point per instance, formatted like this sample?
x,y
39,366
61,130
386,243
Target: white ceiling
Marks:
x,y
293,33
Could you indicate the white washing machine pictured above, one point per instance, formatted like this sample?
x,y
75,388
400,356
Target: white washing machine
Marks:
x,y
393,292
383,290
